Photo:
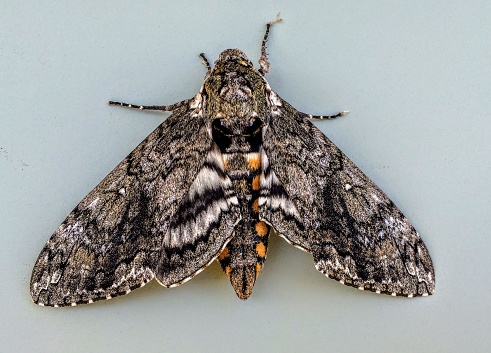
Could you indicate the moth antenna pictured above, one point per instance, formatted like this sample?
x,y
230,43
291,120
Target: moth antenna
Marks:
x,y
263,60
205,61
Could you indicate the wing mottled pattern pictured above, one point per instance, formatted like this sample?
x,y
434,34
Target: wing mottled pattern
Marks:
x,y
202,225
209,182
355,233
112,241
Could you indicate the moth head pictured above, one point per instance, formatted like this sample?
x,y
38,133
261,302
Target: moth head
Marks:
x,y
233,57
233,79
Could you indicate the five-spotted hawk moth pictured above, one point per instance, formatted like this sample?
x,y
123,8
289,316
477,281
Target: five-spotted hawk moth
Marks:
x,y
211,182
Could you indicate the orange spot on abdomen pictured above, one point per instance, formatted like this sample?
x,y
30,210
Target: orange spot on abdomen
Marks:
x,y
228,270
225,253
262,229
258,268
261,249
255,206
256,184
254,161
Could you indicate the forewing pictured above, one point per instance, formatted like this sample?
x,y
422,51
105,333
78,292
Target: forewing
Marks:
x,y
112,241
321,202
202,225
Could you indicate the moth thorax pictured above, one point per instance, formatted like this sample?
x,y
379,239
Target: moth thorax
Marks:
x,y
236,91
238,135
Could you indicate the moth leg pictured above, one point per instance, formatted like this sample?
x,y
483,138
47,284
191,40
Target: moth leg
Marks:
x,y
325,117
164,108
206,62
263,60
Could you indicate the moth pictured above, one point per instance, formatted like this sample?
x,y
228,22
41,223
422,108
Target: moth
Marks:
x,y
211,182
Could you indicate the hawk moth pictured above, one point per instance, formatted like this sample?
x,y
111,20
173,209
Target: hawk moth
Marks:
x,y
211,182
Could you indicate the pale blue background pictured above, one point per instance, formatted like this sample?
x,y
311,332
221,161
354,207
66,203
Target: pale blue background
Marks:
x,y
416,78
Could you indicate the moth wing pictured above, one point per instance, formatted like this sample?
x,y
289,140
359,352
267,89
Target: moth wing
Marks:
x,y
202,225
321,202
112,242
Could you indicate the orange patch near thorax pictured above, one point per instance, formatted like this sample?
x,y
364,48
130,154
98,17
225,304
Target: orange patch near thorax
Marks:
x,y
254,161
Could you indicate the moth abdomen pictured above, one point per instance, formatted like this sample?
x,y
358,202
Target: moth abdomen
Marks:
x,y
244,256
